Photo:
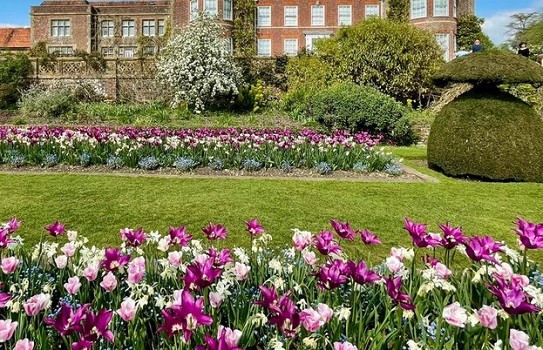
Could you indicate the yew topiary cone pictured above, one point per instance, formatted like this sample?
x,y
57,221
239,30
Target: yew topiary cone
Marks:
x,y
487,133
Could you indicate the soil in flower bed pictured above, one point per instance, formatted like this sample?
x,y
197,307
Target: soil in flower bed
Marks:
x,y
408,174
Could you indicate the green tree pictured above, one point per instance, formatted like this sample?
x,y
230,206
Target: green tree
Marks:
x,y
469,28
398,10
396,58
244,32
14,70
519,26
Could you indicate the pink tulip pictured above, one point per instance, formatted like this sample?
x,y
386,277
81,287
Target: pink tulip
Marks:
x,y
520,340
455,315
488,316
215,299
36,304
175,258
442,271
69,249
128,309
310,257
136,270
325,312
311,320
241,271
90,273
24,344
394,264
9,265
73,285
231,337
302,239
344,346
7,328
61,261
109,282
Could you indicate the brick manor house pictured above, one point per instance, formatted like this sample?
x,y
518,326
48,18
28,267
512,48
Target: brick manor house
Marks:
x,y
119,28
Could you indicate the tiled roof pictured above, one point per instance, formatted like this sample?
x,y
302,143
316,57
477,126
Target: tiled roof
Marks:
x,y
14,38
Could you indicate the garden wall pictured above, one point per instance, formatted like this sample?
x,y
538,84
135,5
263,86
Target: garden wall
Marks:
x,y
127,79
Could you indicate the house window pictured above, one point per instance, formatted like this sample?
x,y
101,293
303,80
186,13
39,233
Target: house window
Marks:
x,y
127,52
149,51
210,7
193,9
290,46
291,16
264,47
108,51
311,39
344,15
264,16
161,26
441,7
228,44
443,41
108,29
60,27
148,27
227,10
61,50
372,11
418,9
129,28
317,15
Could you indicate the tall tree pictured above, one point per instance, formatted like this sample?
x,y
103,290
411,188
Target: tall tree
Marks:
x,y
519,25
244,32
398,10
469,28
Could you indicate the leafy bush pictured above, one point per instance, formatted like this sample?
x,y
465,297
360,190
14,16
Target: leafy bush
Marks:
x,y
42,102
359,108
490,135
309,70
13,71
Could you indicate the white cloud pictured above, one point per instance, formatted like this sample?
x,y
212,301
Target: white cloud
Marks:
x,y
8,25
495,26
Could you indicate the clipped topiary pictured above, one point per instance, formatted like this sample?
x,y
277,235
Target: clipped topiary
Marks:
x,y
488,133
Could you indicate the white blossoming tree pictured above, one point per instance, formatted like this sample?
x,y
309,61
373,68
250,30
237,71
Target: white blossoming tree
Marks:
x,y
197,65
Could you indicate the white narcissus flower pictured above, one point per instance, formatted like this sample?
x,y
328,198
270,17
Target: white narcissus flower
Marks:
x,y
412,345
310,342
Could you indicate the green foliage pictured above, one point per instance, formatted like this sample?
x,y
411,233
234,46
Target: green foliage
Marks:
x,y
41,102
527,93
253,98
520,25
39,51
490,67
469,28
244,31
13,72
270,71
308,70
396,58
490,135
359,108
94,61
398,11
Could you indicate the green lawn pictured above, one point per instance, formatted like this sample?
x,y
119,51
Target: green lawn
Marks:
x,y
99,205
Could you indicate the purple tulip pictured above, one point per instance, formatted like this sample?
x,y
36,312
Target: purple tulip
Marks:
x,y
369,238
269,297
483,248
420,237
254,228
452,236
179,236
133,238
221,258
55,229
530,234
13,225
186,316
226,340
202,274
4,298
82,344
361,274
326,244
511,296
343,229
114,259
96,326
5,238
394,290
333,274
214,232
68,321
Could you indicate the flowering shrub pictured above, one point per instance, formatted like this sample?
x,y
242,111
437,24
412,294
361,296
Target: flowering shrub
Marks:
x,y
175,292
150,148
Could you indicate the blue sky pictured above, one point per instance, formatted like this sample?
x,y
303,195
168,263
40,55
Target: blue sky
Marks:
x,y
495,12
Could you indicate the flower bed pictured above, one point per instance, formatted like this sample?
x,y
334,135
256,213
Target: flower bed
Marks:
x,y
152,148
172,292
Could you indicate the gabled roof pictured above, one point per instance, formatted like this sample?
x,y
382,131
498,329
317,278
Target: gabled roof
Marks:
x,y
15,38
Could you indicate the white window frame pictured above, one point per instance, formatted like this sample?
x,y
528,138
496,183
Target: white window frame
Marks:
x,y
310,38
441,11
228,10
286,48
148,27
107,29
108,51
444,43
260,18
269,47
314,18
419,9
149,50
161,27
229,44
341,20
61,28
123,50
376,14
214,8
291,19
193,9
129,28
61,50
